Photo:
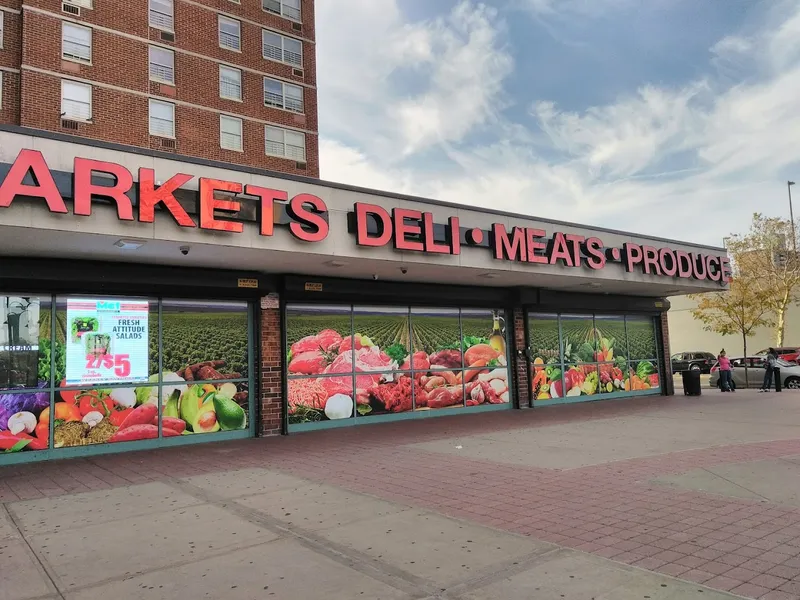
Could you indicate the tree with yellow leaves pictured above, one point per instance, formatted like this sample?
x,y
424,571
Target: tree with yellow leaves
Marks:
x,y
739,310
767,256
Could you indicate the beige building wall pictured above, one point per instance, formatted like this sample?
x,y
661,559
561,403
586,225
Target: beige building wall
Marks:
x,y
685,333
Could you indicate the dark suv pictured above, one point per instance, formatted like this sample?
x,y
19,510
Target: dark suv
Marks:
x,y
693,361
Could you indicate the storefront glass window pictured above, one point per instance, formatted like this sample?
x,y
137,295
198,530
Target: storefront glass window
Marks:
x,y
485,357
392,360
643,354
120,369
599,355
25,347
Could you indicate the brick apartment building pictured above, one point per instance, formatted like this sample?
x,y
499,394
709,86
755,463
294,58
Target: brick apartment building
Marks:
x,y
225,80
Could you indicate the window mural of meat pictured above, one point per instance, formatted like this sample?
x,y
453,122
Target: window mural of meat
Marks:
x,y
373,361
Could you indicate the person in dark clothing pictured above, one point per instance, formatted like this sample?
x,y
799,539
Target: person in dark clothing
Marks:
x,y
769,369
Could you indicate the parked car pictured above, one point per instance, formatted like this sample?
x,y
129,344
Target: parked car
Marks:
x,y
788,353
790,373
693,361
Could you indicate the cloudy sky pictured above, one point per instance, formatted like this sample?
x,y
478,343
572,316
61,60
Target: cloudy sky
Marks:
x,y
675,118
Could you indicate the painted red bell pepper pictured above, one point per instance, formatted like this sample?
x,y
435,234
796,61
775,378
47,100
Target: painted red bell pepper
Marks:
x,y
91,402
68,396
118,415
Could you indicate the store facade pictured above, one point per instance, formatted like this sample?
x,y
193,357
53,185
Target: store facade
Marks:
x,y
150,300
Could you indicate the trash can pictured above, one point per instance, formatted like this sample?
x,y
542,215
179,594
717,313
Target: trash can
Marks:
x,y
691,383
776,373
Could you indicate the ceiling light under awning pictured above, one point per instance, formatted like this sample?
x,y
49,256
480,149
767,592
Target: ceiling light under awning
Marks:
x,y
129,244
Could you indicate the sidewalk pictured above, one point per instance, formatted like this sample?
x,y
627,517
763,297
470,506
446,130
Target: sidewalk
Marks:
x,y
666,498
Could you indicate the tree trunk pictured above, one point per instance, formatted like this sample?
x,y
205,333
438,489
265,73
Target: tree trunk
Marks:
x,y
746,373
780,324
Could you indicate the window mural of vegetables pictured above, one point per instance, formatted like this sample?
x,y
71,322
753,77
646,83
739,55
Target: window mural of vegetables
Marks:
x,y
393,360
594,356
641,338
19,420
203,387
97,416
196,332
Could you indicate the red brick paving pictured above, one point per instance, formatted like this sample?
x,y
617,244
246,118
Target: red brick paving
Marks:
x,y
748,548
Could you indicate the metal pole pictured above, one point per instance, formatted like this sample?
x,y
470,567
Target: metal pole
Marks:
x,y
789,185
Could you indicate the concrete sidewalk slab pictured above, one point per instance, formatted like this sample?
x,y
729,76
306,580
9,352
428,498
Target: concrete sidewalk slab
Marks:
x,y
576,576
244,482
316,507
436,548
75,511
283,570
21,575
127,546
7,528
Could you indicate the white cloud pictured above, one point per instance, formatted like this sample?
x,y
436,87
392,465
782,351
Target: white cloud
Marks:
x,y
458,58
652,161
467,70
622,139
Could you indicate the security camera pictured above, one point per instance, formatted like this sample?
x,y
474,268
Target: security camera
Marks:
x,y
375,277
185,250
404,270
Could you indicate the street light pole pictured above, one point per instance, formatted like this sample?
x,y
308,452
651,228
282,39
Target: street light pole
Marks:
x,y
789,185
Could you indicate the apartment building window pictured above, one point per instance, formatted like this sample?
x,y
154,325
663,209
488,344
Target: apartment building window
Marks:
x,y
283,95
162,119
286,8
162,14
230,133
76,42
162,65
278,47
76,101
2,26
82,3
230,83
285,143
230,33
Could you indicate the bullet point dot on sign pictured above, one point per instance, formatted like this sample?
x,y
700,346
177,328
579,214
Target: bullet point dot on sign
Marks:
x,y
615,254
476,235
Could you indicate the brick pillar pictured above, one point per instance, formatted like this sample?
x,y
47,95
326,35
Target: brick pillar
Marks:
x,y
270,372
666,377
519,361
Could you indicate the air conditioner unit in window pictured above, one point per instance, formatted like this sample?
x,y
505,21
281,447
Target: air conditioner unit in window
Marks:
x,y
166,36
300,166
67,124
297,26
71,9
297,72
168,144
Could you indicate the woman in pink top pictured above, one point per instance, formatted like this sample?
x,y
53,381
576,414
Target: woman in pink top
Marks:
x,y
725,373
